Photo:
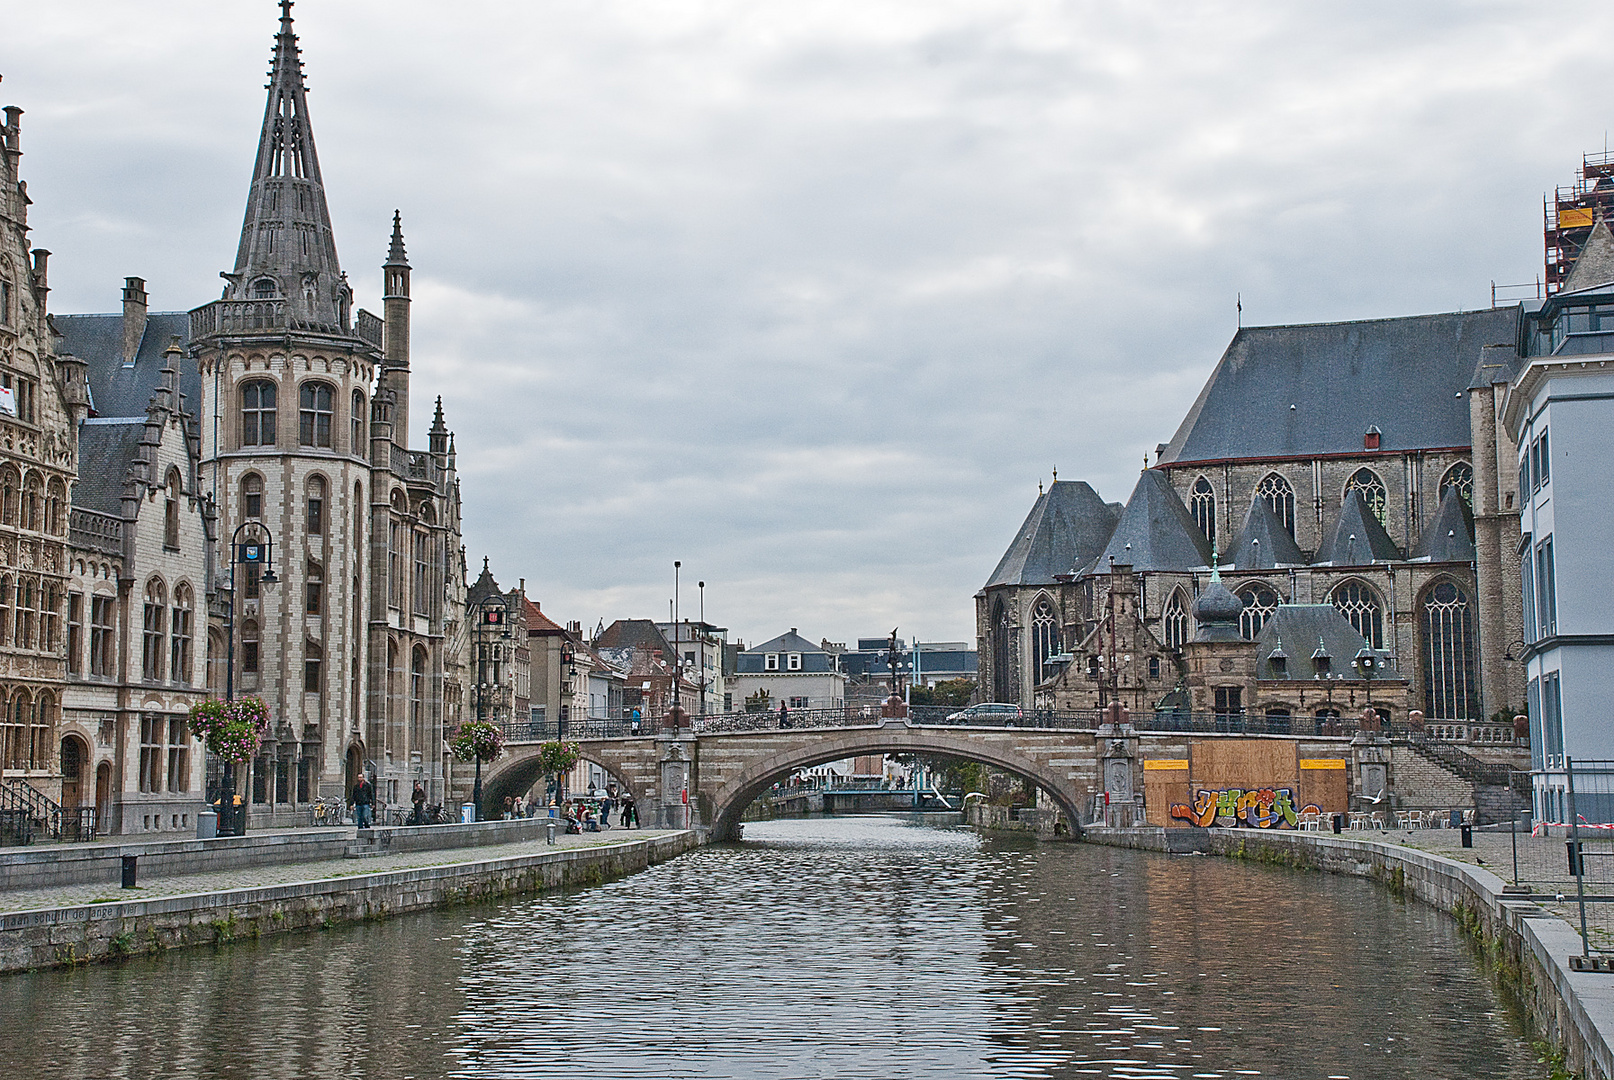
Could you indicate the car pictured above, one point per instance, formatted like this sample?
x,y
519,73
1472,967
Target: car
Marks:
x,y
987,712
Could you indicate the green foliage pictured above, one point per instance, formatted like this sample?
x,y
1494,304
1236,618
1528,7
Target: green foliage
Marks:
x,y
121,946
952,692
231,730
477,739
558,757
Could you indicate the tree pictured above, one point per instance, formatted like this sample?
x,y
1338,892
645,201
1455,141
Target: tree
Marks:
x,y
948,692
559,758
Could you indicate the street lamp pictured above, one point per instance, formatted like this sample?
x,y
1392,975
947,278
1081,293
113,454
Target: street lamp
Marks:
x,y
490,623
257,555
568,657
700,631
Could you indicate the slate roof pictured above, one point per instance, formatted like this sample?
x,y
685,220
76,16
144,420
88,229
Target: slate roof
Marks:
x,y
117,389
1594,266
106,447
483,587
638,634
1298,391
1068,526
1299,628
1264,543
814,660
1358,539
1155,532
1450,536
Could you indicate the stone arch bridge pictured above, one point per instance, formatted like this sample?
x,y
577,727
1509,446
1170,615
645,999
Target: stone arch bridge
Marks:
x,y
716,773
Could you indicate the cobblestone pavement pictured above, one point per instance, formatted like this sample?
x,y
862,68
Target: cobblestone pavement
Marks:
x,y
290,873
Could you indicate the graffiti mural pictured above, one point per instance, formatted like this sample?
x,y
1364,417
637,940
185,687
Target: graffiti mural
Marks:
x,y
1257,808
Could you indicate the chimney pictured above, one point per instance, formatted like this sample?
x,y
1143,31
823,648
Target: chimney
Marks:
x,y
134,317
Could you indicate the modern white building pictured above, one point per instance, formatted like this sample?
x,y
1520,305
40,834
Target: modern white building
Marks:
x,y
789,670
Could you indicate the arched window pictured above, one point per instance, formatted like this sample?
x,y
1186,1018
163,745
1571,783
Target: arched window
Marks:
x,y
33,497
359,510
1260,601
21,721
316,505
180,627
264,288
358,448
1281,497
10,490
1004,684
1461,477
22,635
50,613
314,410
1360,606
1372,488
258,413
171,511
156,621
1450,688
1044,637
417,698
1202,504
1174,621
55,500
313,658
251,497
249,647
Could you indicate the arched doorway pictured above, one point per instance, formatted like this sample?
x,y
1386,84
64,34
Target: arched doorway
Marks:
x,y
75,755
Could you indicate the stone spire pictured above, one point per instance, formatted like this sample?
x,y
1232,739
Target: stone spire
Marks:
x,y
438,435
288,251
395,310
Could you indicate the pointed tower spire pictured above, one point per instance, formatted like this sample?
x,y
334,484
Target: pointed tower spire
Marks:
x,y
287,255
438,435
395,309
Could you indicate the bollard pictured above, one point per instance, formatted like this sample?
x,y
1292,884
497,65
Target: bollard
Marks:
x,y
1468,835
1576,867
1339,823
129,871
550,825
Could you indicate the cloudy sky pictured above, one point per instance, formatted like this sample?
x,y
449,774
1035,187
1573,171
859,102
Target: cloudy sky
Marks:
x,y
810,295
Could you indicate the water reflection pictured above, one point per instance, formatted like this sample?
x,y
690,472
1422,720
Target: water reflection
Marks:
x,y
849,947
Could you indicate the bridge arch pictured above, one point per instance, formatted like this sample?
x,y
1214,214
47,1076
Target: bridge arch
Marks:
x,y
518,771
1026,754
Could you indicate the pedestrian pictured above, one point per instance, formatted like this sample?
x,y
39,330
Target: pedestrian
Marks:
x,y
784,715
363,802
629,818
419,799
508,811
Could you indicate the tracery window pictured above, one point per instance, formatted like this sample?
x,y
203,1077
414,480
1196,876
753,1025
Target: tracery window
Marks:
x,y
1174,621
258,413
1450,687
1004,684
22,635
1461,477
102,639
1202,504
1260,602
151,653
1361,608
1044,637
417,697
1280,497
1372,488
315,408
180,631
50,613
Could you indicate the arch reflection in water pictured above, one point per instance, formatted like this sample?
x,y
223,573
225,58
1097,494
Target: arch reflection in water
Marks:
x,y
852,947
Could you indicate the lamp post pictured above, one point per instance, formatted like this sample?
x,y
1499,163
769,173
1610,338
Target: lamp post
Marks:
x,y
258,556
490,623
700,630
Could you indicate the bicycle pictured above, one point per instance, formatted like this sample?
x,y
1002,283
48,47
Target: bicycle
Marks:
x,y
328,812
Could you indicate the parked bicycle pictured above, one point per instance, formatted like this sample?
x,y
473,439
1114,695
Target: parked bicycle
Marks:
x,y
328,812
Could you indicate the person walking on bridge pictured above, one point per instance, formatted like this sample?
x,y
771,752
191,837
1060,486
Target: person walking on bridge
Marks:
x,y
784,715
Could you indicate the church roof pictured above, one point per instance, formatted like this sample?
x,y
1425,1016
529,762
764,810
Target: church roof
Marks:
x,y
106,449
1594,266
483,587
1301,629
1296,391
1156,532
118,388
1450,536
1359,538
1068,526
1264,543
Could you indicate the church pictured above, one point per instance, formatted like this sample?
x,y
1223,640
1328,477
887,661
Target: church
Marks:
x,y
225,500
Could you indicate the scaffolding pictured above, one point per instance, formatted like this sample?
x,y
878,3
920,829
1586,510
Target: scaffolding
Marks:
x,y
1570,213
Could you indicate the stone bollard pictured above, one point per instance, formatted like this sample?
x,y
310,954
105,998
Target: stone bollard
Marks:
x,y
129,871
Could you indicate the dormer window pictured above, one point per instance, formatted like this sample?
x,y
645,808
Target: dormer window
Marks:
x,y
1279,661
1321,661
770,661
793,661
265,288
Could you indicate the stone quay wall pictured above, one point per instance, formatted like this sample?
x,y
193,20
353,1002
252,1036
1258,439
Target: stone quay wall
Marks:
x,y
55,937
1572,1010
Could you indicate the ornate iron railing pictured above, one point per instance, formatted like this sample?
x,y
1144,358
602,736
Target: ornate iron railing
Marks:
x,y
27,813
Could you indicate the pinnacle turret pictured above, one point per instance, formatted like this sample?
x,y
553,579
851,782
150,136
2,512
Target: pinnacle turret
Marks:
x,y
395,254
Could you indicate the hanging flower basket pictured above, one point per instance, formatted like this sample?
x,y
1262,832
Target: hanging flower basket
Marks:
x,y
558,757
477,741
231,730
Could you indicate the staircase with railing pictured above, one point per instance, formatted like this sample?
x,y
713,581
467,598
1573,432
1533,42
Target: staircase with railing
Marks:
x,y
1471,768
27,814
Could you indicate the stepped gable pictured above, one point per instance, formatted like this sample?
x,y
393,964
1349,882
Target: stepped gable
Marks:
x,y
1068,526
1264,543
1298,391
1156,531
1594,266
1450,536
1359,539
1299,630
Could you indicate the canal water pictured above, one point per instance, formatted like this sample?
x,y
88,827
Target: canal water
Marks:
x,y
845,947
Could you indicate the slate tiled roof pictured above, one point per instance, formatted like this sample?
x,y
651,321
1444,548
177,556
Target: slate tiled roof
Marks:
x,y
1594,266
1297,391
1299,628
814,660
1155,532
1450,536
117,389
1264,543
1068,526
634,634
106,448
1358,538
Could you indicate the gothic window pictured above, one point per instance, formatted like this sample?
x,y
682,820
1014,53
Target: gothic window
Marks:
x,y
75,632
151,653
180,631
1361,608
358,423
313,657
1004,685
316,506
50,611
417,697
1281,497
251,497
10,485
423,589
1202,504
1372,488
358,523
171,511
1174,621
179,754
5,609
1450,687
23,629
314,410
152,730
249,646
102,640
55,499
264,288
1461,477
1044,638
32,498
1260,601
258,413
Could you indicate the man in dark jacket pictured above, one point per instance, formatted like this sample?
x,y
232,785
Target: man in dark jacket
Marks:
x,y
363,801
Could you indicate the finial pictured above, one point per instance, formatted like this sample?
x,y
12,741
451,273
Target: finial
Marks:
x,y
1039,487
1056,474
1216,572
395,253
484,564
